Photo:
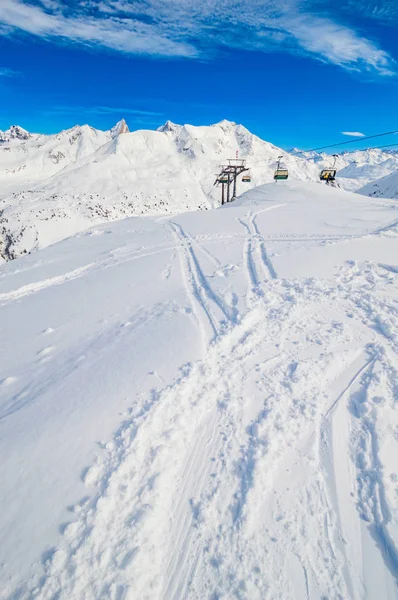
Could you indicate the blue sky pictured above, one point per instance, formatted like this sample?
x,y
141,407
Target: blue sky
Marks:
x,y
297,73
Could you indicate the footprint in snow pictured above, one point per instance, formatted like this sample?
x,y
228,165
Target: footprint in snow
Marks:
x,y
45,353
166,272
231,298
7,381
225,271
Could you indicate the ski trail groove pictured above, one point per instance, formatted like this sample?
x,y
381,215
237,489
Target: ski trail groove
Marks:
x,y
354,378
195,242
203,290
195,289
266,260
32,288
372,502
361,438
250,263
255,245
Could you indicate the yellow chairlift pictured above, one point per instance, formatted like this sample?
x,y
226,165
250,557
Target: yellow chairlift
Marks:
x,y
329,175
281,173
223,179
246,178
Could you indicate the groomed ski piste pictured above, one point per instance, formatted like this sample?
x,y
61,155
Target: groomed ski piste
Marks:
x,y
204,406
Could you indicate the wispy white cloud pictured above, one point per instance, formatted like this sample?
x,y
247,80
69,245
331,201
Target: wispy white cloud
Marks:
x,y
197,30
105,110
126,35
5,72
353,133
340,45
380,10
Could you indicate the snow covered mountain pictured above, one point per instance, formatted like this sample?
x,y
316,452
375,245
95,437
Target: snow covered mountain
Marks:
x,y
14,133
357,168
54,186
38,157
58,185
205,406
385,187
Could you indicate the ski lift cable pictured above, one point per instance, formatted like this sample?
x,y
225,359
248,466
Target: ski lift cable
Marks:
x,y
356,139
261,162
380,147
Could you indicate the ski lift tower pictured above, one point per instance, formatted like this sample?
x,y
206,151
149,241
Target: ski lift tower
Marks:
x,y
228,176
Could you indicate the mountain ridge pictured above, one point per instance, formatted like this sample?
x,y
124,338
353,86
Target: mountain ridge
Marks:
x,y
53,186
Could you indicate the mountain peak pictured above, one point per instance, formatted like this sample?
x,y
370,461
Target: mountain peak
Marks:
x,y
15,132
120,127
169,126
225,124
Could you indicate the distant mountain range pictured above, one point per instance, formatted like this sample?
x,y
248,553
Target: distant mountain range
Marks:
x,y
386,187
53,186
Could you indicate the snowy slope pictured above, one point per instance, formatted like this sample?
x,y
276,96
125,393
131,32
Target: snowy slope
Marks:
x,y
205,405
386,187
99,176
54,186
365,166
26,161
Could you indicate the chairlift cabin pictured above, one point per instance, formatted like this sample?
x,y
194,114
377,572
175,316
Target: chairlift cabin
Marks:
x,y
246,178
328,175
281,174
223,179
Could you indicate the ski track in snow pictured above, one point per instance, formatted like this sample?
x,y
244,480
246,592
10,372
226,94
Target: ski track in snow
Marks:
x,y
255,243
252,236
41,285
350,431
200,289
184,503
372,501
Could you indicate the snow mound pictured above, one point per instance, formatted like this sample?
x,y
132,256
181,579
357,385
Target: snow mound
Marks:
x,y
292,190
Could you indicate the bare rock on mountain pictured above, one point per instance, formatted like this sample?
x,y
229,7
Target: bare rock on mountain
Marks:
x,y
15,132
119,128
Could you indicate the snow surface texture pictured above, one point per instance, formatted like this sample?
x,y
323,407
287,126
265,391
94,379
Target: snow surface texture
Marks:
x,y
54,186
204,406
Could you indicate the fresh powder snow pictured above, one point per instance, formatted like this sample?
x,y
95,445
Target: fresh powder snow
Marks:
x,y
204,405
